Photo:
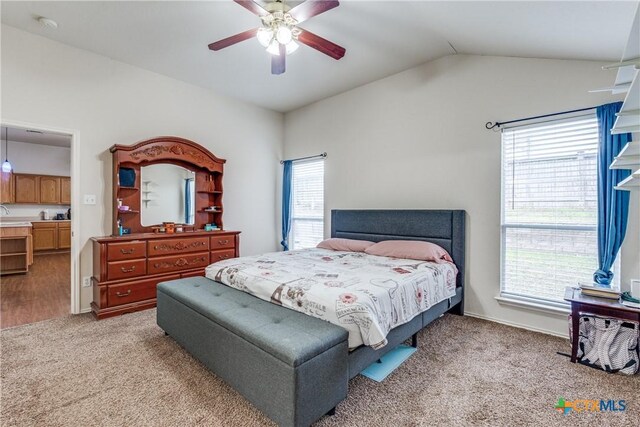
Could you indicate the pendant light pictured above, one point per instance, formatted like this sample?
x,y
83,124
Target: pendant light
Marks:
x,y
6,166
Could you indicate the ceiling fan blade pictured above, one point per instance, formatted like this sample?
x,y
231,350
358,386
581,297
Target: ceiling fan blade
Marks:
x,y
320,44
221,44
278,61
252,7
311,8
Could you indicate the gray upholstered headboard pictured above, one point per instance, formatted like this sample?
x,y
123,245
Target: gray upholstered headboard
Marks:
x,y
442,227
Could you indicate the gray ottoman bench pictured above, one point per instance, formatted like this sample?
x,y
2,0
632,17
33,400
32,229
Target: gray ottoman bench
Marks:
x,y
291,366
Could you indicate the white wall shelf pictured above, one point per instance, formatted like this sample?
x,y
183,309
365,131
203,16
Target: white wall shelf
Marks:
x,y
628,119
627,73
632,182
629,163
628,158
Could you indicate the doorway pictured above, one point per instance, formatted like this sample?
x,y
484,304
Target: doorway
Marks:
x,y
38,253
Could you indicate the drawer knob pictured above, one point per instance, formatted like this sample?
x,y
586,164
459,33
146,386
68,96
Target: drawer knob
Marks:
x,y
225,256
127,251
223,242
128,270
124,294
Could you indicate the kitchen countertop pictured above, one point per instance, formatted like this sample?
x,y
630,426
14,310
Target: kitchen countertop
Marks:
x,y
15,224
6,220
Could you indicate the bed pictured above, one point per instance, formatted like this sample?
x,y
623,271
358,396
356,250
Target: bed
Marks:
x,y
294,367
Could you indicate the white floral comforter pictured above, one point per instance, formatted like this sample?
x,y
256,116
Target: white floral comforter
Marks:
x,y
366,294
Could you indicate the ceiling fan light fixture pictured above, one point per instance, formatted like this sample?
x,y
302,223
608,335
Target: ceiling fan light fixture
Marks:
x,y
274,48
291,47
283,35
279,33
265,35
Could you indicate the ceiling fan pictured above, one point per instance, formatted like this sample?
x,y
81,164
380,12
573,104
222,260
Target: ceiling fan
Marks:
x,y
280,33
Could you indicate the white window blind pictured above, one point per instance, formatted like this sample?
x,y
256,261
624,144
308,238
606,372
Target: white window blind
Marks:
x,y
549,208
307,216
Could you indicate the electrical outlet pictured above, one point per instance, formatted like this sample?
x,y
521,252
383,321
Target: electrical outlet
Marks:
x,y
89,199
86,282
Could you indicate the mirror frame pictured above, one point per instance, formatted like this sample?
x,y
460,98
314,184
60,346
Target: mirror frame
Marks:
x,y
208,170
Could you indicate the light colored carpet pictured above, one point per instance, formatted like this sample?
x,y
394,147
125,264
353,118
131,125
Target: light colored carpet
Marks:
x,y
123,371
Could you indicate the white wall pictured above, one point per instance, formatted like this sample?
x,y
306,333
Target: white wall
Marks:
x,y
417,140
37,159
108,102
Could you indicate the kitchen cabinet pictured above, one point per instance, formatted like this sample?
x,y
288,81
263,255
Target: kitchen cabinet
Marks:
x,y
51,235
64,235
38,189
26,188
16,251
49,190
7,194
45,236
65,190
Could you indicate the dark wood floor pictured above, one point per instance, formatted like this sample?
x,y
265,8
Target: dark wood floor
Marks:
x,y
42,293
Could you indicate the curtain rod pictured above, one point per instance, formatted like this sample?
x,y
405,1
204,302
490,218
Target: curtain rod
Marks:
x,y
490,125
305,158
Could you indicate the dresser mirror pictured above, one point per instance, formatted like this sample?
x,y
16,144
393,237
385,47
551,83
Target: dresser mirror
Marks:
x,y
167,194
166,180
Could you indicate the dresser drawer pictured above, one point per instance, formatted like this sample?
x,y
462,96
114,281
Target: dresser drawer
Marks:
x,y
225,241
125,269
177,246
177,262
126,250
139,290
222,255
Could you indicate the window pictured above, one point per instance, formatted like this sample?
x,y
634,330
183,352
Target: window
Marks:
x,y
549,208
307,212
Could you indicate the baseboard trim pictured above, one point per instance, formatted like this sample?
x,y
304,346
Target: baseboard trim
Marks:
x,y
517,325
85,310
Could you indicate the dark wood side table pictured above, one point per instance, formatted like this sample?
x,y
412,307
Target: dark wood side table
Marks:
x,y
585,304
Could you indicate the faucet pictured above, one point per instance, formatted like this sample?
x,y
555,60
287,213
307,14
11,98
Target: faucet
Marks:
x,y
5,209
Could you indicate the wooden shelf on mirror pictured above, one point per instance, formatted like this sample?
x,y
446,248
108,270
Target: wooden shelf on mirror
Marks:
x,y
129,188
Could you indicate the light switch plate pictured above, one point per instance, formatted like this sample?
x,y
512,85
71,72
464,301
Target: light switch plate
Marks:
x,y
89,199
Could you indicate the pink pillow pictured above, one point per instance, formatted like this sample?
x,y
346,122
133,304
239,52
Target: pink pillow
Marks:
x,y
348,245
410,249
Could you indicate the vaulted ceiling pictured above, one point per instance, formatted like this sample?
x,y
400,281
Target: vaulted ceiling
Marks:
x,y
381,38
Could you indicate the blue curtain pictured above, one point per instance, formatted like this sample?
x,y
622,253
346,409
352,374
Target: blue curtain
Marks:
x,y
187,201
613,205
286,203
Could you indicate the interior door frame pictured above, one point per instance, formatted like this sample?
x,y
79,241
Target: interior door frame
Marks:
x,y
75,201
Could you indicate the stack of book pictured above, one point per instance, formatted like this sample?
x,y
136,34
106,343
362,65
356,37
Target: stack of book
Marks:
x,y
599,291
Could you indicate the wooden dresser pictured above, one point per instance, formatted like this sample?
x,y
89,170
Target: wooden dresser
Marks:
x,y
127,269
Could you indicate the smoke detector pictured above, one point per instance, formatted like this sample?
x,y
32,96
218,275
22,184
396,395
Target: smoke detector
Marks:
x,y
47,23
